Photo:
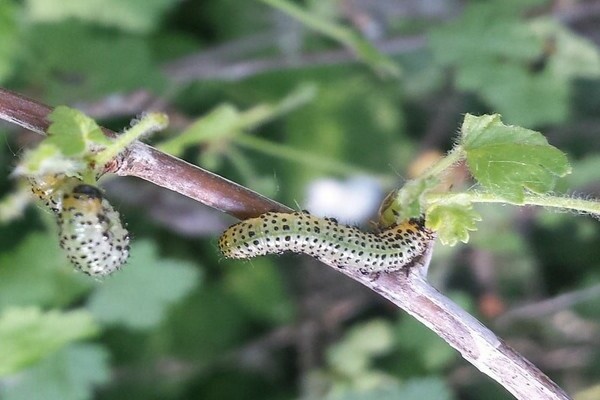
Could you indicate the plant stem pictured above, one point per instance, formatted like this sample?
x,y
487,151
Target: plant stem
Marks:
x,y
149,123
299,156
566,203
454,156
349,38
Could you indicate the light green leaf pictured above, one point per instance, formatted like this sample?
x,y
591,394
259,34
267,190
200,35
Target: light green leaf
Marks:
x,y
69,374
225,122
487,30
508,160
219,124
28,335
73,132
452,221
352,356
139,295
407,202
38,265
522,97
494,51
573,56
47,158
132,15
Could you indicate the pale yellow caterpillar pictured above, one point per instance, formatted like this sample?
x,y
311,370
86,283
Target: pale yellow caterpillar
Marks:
x,y
327,240
91,232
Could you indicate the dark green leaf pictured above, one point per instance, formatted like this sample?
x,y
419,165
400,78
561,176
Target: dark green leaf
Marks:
x,y
132,15
37,273
140,294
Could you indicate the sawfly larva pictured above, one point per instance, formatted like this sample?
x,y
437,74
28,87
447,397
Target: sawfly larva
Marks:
x,y
91,232
327,240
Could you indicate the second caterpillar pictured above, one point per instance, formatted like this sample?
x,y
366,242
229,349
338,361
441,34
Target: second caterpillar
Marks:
x,y
327,240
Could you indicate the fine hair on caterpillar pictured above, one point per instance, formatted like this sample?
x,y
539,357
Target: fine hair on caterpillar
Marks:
x,y
91,232
327,240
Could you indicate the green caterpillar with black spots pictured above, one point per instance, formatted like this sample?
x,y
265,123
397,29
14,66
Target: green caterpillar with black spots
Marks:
x,y
327,240
90,230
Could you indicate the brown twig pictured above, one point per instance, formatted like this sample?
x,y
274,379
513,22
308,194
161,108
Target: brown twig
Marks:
x,y
411,291
146,162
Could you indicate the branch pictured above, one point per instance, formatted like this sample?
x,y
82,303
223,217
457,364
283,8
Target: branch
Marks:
x,y
152,165
411,292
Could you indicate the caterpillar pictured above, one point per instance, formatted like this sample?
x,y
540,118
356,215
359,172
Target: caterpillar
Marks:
x,y
327,240
91,232
49,189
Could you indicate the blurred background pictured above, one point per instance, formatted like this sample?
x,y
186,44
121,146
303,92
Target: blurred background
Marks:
x,y
325,105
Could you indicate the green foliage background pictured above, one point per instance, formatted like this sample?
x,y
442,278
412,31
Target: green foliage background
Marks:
x,y
179,322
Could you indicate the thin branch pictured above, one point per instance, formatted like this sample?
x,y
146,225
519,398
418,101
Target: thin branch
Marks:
x,y
411,291
146,162
550,306
184,72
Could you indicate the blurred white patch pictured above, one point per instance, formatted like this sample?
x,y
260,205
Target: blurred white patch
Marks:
x,y
349,201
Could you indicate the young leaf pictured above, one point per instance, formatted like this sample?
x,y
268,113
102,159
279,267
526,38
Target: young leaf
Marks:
x,y
69,374
508,161
452,221
219,124
406,203
27,335
74,132
140,294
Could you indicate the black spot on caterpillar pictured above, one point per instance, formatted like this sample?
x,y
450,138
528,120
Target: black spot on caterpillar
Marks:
x,y
91,232
326,240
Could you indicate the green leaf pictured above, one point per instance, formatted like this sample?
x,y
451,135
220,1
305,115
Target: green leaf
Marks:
x,y
357,43
573,56
407,202
522,97
260,291
414,389
36,272
485,31
139,295
509,161
212,315
73,62
219,124
69,374
225,122
133,15
452,220
73,132
425,348
45,159
495,50
352,356
9,38
28,335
